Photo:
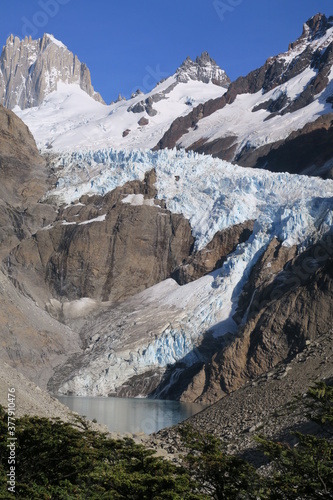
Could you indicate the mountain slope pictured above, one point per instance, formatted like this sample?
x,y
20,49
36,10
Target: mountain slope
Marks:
x,y
30,339
53,96
88,232
273,110
285,309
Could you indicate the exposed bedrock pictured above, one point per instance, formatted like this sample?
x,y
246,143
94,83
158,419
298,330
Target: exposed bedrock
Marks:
x,y
284,313
214,254
105,249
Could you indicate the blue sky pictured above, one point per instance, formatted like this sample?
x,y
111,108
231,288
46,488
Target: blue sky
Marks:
x,y
130,44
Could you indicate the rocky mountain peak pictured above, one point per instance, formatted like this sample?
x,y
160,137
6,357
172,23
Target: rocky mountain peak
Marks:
x,y
31,69
314,28
204,59
47,40
203,69
317,25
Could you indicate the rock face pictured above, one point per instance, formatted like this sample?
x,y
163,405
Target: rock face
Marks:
x,y
309,58
19,158
31,69
30,339
23,182
203,69
285,313
266,406
108,250
214,254
306,151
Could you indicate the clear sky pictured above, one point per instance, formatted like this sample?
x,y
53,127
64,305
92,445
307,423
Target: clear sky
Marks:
x,y
130,44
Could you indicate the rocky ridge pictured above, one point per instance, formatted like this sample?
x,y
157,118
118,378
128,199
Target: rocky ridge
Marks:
x,y
31,69
203,69
311,52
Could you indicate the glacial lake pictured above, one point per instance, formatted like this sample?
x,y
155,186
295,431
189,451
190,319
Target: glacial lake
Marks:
x,y
132,415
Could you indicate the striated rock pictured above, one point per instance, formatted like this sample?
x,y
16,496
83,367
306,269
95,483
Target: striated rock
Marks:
x,y
19,160
263,273
41,64
31,341
23,182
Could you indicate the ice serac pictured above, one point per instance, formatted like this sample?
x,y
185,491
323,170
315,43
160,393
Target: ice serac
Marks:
x,y
267,117
31,69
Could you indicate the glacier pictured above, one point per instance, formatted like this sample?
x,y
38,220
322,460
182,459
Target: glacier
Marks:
x,y
167,322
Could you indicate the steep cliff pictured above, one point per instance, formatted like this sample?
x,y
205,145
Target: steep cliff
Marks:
x,y
31,69
287,309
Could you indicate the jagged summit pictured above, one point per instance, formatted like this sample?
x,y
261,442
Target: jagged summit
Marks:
x,y
31,69
317,25
203,69
313,29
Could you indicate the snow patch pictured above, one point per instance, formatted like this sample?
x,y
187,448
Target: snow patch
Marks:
x,y
55,41
101,218
138,199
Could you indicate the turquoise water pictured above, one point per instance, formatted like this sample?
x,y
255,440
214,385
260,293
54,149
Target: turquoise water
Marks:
x,y
131,414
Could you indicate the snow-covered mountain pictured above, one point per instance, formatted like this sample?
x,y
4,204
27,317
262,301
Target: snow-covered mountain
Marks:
x,y
278,116
30,70
51,91
99,249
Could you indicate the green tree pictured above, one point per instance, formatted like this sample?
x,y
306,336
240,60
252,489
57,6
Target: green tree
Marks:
x,y
61,461
305,471
221,476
